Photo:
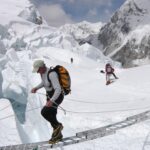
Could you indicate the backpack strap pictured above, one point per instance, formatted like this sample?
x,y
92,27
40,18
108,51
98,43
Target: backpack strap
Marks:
x,y
50,70
53,69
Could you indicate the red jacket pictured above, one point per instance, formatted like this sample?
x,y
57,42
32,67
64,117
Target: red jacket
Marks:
x,y
109,69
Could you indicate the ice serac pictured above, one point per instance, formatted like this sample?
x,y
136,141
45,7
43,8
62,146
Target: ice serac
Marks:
x,y
18,20
126,37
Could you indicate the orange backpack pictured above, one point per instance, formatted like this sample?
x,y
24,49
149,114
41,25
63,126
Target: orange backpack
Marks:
x,y
64,78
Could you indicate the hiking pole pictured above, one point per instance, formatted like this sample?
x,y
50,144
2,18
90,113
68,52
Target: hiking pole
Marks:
x,y
54,103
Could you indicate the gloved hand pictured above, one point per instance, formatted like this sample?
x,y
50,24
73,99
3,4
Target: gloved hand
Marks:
x,y
34,90
49,103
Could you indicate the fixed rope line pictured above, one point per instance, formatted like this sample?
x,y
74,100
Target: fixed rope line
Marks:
x,y
100,111
108,111
119,110
69,100
90,102
7,106
93,102
19,113
78,112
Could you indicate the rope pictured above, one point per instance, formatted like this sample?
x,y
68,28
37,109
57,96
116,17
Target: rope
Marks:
x,y
119,110
90,102
105,111
69,111
109,111
58,106
19,113
5,107
8,106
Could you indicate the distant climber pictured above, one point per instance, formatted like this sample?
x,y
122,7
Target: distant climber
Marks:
x,y
39,20
109,70
71,60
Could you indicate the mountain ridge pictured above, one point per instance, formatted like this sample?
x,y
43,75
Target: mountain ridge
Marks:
x,y
123,34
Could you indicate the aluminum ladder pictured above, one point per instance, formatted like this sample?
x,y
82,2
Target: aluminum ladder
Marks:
x,y
83,136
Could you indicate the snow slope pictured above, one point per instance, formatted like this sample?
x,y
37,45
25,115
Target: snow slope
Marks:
x,y
91,104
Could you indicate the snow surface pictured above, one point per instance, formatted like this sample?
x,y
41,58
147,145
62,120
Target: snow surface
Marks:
x,y
127,96
91,103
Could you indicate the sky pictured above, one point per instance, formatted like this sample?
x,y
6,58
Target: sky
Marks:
x,y
60,12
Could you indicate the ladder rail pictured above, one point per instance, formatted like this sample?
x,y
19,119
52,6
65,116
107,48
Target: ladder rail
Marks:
x,y
129,121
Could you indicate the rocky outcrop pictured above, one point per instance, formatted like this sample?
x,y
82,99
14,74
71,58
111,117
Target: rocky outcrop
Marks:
x,y
116,34
132,54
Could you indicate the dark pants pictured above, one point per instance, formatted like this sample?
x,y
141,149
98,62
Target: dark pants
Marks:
x,y
108,76
114,75
50,113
